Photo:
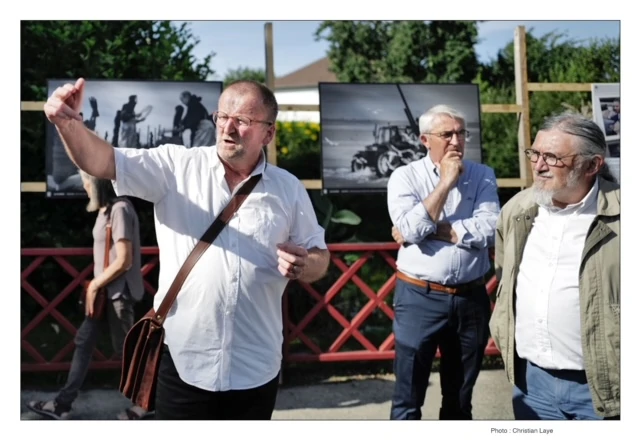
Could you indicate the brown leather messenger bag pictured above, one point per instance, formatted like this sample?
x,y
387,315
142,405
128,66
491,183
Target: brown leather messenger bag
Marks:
x,y
144,341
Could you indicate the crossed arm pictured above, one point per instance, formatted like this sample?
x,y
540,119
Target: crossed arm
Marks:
x,y
415,220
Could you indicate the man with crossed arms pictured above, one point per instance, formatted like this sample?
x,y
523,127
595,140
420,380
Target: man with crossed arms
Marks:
x,y
444,210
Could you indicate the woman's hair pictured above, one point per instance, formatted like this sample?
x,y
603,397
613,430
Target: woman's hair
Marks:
x,y
101,193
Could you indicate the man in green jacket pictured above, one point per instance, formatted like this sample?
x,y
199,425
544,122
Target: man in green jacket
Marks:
x,y
556,320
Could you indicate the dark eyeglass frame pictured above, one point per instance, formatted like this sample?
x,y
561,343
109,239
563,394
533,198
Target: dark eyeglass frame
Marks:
x,y
448,135
548,158
243,121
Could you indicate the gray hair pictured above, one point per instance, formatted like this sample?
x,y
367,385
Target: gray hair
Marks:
x,y
428,118
591,143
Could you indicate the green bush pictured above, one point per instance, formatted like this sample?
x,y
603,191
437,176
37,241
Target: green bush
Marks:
x,y
298,146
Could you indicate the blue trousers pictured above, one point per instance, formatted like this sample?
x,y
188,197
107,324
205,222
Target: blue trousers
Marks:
x,y
543,394
425,320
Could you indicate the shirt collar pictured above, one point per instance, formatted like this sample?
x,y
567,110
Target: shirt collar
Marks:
x,y
581,206
216,164
431,167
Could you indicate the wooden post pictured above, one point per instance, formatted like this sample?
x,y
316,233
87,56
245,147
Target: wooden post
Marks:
x,y
522,99
272,153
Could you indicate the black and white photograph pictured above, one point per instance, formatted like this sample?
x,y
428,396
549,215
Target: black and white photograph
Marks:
x,y
369,130
134,114
605,101
610,111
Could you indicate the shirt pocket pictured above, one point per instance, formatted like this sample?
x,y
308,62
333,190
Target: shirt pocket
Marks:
x,y
465,207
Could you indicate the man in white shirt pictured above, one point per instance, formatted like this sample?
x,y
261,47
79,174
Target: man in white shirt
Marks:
x,y
557,313
224,332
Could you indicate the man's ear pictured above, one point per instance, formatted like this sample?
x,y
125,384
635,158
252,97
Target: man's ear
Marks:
x,y
595,165
269,135
425,140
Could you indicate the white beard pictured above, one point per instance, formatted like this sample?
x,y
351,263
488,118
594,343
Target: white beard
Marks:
x,y
545,197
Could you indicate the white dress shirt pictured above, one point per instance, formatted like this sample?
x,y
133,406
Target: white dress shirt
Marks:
x,y
547,292
224,330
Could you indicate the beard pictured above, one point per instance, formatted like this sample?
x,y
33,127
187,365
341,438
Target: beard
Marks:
x,y
545,197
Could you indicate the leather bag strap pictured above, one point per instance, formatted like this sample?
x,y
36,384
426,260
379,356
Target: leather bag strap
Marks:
x,y
207,238
107,246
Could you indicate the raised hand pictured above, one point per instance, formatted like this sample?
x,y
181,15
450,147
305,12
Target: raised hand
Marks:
x,y
451,167
65,103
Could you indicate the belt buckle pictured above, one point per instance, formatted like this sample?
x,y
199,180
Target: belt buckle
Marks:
x,y
451,290
442,288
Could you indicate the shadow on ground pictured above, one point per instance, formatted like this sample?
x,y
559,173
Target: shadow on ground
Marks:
x,y
341,393
312,397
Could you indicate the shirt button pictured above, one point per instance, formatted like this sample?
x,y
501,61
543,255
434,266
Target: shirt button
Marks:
x,y
544,350
540,321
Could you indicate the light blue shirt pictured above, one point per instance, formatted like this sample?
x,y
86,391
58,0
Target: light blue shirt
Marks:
x,y
472,208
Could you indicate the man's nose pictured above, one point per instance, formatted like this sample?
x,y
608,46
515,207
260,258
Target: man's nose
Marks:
x,y
540,164
230,126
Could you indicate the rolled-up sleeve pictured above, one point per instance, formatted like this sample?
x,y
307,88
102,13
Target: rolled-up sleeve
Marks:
x,y
142,173
305,230
479,230
406,209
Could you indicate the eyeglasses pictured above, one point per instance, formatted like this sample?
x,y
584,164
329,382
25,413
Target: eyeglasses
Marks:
x,y
448,135
221,119
549,158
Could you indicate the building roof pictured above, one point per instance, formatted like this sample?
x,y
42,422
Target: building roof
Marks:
x,y
307,76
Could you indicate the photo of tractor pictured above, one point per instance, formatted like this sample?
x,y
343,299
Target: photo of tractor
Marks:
x,y
392,147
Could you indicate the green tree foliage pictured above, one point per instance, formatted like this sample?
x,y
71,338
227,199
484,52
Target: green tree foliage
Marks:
x,y
244,73
135,50
106,50
401,51
552,58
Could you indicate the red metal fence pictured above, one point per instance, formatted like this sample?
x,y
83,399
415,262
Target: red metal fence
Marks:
x,y
324,322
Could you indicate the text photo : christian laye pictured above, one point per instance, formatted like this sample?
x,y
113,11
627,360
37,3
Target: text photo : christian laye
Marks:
x,y
134,114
